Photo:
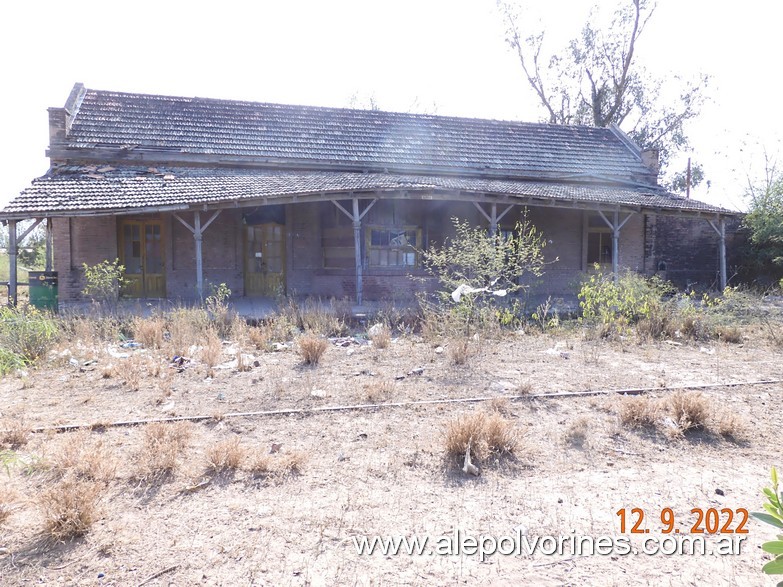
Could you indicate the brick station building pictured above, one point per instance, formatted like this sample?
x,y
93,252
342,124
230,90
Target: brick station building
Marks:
x,y
277,199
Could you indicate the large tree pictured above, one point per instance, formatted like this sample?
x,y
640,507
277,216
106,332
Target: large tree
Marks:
x,y
765,217
597,80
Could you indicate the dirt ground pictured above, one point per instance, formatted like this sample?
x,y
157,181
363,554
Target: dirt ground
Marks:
x,y
383,470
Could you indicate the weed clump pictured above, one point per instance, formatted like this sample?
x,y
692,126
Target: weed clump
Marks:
x,y
311,348
224,456
69,507
483,434
162,445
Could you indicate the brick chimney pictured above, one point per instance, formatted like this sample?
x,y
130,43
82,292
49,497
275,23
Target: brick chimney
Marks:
x,y
650,159
60,119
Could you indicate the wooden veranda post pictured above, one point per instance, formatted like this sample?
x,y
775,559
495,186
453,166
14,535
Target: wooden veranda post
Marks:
x,y
49,247
720,229
615,224
356,220
357,243
493,217
13,251
198,232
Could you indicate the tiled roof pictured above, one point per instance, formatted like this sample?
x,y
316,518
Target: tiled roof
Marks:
x,y
348,139
71,190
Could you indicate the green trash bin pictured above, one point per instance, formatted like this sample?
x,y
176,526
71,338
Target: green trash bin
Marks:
x,y
43,290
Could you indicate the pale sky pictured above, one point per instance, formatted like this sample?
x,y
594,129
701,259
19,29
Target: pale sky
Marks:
x,y
438,56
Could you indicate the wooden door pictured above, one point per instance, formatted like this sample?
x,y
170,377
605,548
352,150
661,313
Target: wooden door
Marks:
x,y
141,253
264,259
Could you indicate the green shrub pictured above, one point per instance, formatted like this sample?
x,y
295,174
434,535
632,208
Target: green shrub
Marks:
x,y
104,281
478,270
26,333
774,517
619,303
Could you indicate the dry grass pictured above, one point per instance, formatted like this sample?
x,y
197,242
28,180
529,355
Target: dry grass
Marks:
x,y
638,411
381,336
279,466
14,432
731,426
290,463
730,334
379,391
459,351
149,331
314,316
130,370
162,445
211,350
259,464
69,507
576,434
258,337
6,506
500,434
224,456
186,327
501,405
690,410
311,348
84,457
485,434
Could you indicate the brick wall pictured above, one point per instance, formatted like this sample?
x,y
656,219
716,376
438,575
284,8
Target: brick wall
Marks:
x,y
81,240
687,247
221,249
685,250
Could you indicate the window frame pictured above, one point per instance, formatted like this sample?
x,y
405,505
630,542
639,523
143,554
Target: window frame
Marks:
x,y
401,250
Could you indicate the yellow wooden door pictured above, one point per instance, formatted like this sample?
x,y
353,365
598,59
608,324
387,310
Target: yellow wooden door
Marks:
x,y
264,259
141,253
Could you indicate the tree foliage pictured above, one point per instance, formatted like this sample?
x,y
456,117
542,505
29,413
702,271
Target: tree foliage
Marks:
x,y
596,80
477,270
483,261
765,217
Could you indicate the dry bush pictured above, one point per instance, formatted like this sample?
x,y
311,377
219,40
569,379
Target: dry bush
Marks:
x,y
381,336
501,405
690,410
500,435
379,391
311,348
730,334
225,455
465,431
314,316
459,351
69,507
655,327
131,371
83,457
638,411
14,432
162,445
730,426
186,327
485,434
576,433
149,331
259,464
258,337
290,463
211,351
524,388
